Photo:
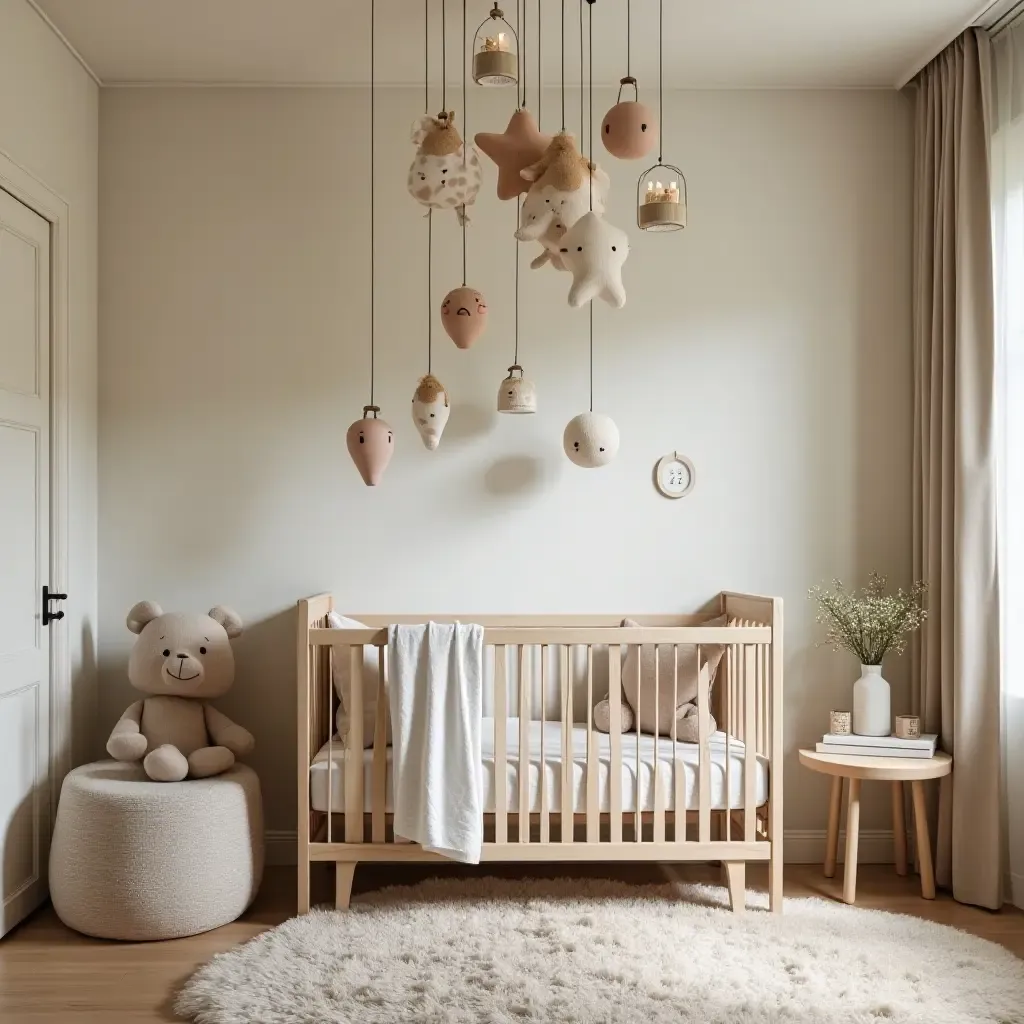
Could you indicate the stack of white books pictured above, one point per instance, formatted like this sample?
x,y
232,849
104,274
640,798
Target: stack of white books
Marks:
x,y
878,746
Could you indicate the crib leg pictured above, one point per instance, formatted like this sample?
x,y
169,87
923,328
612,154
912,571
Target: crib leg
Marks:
x,y
736,877
344,873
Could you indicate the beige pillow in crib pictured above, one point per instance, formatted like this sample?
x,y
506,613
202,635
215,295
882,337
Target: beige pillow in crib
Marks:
x,y
640,693
341,669
687,730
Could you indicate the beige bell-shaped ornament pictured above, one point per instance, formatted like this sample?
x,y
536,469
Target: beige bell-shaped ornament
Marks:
x,y
430,410
517,394
371,444
591,440
464,315
628,130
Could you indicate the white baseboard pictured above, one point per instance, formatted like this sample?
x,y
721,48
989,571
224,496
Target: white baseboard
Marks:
x,y
803,846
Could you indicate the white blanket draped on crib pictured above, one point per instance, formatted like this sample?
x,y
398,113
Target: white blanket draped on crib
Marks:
x,y
435,688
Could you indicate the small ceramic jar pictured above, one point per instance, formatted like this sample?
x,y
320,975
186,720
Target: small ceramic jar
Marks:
x,y
908,727
839,723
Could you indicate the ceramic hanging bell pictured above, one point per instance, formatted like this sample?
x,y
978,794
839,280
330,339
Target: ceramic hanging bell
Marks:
x,y
370,444
464,315
591,440
517,394
628,130
430,410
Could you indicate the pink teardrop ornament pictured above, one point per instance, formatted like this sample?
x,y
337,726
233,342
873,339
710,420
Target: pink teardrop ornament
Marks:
x,y
371,444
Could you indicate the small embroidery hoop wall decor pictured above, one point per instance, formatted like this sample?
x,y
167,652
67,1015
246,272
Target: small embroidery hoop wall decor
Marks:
x,y
493,65
674,475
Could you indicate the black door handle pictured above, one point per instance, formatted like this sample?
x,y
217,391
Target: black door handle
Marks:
x,y
49,616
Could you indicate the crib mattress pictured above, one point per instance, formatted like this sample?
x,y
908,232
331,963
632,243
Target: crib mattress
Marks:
x,y
655,767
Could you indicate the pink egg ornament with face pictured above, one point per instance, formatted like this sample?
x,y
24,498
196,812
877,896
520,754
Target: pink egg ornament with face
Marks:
x,y
629,131
371,444
464,316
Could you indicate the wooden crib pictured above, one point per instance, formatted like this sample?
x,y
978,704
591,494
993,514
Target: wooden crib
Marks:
x,y
597,797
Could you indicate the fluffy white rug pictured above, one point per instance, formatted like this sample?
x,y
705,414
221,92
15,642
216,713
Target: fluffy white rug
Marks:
x,y
574,952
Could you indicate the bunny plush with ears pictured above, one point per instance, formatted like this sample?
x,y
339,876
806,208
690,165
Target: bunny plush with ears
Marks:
x,y
180,661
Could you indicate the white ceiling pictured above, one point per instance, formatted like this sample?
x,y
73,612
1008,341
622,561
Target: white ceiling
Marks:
x,y
728,43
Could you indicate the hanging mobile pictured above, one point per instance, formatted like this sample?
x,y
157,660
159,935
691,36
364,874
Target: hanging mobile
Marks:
x,y
464,309
628,129
591,439
661,205
496,58
370,441
517,394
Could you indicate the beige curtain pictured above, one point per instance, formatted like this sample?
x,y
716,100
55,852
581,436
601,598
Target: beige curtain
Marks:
x,y
957,664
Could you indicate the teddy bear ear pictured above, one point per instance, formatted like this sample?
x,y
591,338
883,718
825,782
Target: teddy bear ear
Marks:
x,y
141,614
231,621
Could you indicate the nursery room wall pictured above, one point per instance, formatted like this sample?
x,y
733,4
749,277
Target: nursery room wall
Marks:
x,y
769,342
49,127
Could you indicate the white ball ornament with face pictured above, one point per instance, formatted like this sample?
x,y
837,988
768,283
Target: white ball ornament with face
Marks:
x,y
430,410
591,440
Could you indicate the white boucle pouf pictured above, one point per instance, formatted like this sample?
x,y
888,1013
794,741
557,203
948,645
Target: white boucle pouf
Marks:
x,y
137,860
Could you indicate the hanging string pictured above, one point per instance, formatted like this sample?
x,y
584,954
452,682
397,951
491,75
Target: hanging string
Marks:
x,y
660,79
590,150
465,141
540,79
430,288
373,253
444,57
519,204
583,113
521,53
426,55
629,37
562,32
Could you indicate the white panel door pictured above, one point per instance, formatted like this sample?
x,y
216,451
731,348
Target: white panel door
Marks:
x,y
24,559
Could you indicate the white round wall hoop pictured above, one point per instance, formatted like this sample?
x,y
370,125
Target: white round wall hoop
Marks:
x,y
674,476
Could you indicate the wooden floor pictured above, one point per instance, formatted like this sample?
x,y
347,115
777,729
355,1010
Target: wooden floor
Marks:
x,y
50,974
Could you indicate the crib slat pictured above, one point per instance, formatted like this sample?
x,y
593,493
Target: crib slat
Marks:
x,y
593,763
380,755
328,711
500,752
727,729
750,750
678,771
637,822
354,753
659,796
568,759
545,810
704,754
615,738
524,748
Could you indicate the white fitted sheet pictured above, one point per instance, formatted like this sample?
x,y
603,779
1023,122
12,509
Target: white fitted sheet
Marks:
x,y
686,760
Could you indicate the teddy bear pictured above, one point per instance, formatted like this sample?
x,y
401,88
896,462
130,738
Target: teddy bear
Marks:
x,y
180,661
445,174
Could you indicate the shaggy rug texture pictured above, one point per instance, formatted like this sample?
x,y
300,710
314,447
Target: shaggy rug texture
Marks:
x,y
492,951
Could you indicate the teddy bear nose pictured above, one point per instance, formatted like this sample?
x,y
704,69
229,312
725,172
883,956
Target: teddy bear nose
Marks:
x,y
183,656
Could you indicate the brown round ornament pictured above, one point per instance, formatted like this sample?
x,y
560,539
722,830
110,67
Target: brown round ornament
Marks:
x,y
628,130
464,315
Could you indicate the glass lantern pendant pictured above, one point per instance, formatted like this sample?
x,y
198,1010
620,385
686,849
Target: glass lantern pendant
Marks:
x,y
661,199
495,51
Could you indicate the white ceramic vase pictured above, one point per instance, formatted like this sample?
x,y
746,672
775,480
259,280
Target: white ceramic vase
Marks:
x,y
871,708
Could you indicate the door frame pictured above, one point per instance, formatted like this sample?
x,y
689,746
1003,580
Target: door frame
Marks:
x,y
40,198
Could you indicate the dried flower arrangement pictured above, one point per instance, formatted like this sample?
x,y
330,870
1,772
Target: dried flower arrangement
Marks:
x,y
870,623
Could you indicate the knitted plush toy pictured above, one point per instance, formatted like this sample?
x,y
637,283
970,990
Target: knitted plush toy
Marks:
x,y
180,661
430,410
445,174
593,251
560,194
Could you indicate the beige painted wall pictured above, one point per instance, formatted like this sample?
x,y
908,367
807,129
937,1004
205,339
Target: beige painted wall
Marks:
x,y
49,125
770,342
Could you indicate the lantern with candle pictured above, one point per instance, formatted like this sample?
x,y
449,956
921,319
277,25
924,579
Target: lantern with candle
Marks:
x,y
495,51
661,199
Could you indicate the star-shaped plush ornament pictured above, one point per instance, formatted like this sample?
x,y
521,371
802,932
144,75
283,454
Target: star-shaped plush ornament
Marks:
x,y
519,146
593,251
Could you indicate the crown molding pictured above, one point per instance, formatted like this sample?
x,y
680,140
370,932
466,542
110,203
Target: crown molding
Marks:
x,y
65,41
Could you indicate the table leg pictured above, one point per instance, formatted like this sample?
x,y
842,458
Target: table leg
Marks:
x,y
832,838
899,829
924,841
852,835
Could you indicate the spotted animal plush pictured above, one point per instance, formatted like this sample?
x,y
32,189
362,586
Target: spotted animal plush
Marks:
x,y
446,173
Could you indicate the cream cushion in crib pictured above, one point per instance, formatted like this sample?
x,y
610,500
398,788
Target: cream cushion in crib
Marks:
x,y
341,669
639,690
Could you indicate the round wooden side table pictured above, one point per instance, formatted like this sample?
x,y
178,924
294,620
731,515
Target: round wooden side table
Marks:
x,y
896,771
